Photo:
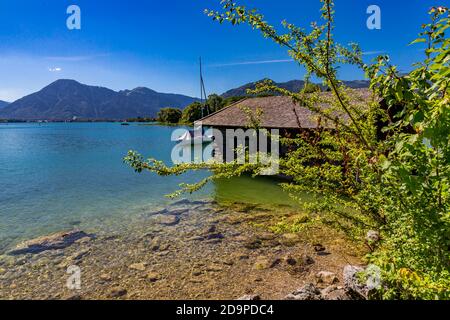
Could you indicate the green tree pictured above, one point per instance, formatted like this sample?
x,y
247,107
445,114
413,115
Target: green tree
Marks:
x,y
214,102
169,115
399,185
192,113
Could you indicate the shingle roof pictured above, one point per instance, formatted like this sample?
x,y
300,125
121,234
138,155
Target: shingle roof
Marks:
x,y
277,112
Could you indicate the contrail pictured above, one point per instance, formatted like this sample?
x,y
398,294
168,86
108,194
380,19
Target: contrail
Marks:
x,y
243,63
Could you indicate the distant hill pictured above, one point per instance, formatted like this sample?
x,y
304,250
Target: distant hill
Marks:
x,y
3,104
65,99
293,85
143,99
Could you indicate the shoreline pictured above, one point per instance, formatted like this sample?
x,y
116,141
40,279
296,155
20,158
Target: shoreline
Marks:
x,y
189,250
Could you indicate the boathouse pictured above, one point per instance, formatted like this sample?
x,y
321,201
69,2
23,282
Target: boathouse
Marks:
x,y
273,112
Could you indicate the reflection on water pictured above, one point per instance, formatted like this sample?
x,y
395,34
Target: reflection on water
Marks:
x,y
195,153
245,189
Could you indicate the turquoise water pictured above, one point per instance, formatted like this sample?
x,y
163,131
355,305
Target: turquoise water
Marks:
x,y
62,175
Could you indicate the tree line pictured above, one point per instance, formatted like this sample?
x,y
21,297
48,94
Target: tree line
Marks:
x,y
195,110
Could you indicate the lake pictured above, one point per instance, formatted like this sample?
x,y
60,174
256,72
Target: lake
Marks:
x,y
57,176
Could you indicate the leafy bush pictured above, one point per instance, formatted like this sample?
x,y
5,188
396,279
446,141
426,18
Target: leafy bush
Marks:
x,y
386,164
193,112
214,103
169,115
415,176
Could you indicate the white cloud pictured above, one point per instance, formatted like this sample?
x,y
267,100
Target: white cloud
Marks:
x,y
76,58
56,69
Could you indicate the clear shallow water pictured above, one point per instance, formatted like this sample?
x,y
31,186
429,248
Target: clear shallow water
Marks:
x,y
60,175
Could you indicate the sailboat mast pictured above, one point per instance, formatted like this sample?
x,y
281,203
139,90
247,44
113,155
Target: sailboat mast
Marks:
x,y
202,89
201,86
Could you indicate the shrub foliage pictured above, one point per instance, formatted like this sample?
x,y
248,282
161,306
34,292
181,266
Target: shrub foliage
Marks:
x,y
386,167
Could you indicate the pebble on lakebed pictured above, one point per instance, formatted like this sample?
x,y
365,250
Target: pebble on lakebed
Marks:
x,y
138,266
153,276
201,253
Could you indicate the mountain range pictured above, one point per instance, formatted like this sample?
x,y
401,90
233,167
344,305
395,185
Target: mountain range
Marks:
x,y
293,85
3,104
69,99
66,99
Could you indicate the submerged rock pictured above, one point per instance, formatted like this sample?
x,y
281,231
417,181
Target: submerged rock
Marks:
x,y
153,276
210,229
214,236
73,259
196,272
173,211
80,255
195,238
60,240
177,212
290,260
319,247
240,256
265,263
307,260
184,202
266,236
213,241
155,213
228,262
214,268
117,292
155,244
167,220
84,240
252,243
105,277
261,263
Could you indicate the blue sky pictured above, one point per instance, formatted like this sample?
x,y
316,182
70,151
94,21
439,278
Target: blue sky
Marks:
x,y
156,43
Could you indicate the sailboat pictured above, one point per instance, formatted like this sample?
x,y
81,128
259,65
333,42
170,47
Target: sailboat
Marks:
x,y
193,137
